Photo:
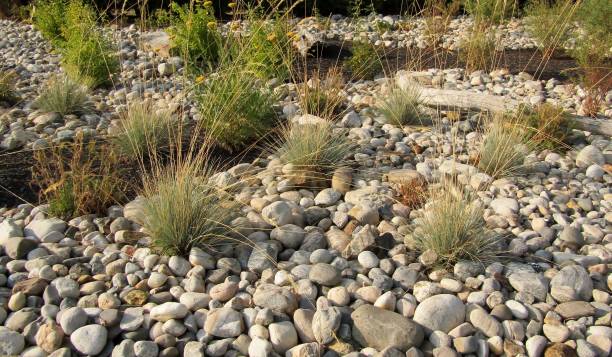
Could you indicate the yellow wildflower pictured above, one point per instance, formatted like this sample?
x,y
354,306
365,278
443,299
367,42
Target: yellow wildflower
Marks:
x,y
212,25
200,79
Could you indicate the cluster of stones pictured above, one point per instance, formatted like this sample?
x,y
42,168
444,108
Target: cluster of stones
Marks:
x,y
329,272
403,32
149,73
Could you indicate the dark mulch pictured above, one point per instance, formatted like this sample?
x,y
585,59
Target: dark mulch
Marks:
x,y
327,55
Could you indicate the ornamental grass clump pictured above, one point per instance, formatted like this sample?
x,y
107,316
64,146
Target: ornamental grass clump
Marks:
x,y
504,148
312,150
401,106
63,96
8,94
182,210
235,108
453,226
145,131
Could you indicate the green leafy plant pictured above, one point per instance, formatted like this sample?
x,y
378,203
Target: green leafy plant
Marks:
x,y
452,226
78,178
313,150
492,11
62,95
504,148
49,18
550,25
401,106
234,108
364,62
145,132
183,210
7,87
194,34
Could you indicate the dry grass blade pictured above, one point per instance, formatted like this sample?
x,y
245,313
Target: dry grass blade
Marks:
x,y
453,227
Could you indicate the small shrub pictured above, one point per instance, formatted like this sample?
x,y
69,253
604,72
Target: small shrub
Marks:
x,y
160,18
453,227
412,193
549,24
235,108
313,150
88,56
322,96
478,51
145,132
504,148
266,49
401,106
592,48
183,211
547,126
49,18
492,11
78,178
364,62
7,87
90,59
194,34
62,95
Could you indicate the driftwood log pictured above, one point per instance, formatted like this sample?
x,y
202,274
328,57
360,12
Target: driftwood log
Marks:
x,y
463,100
